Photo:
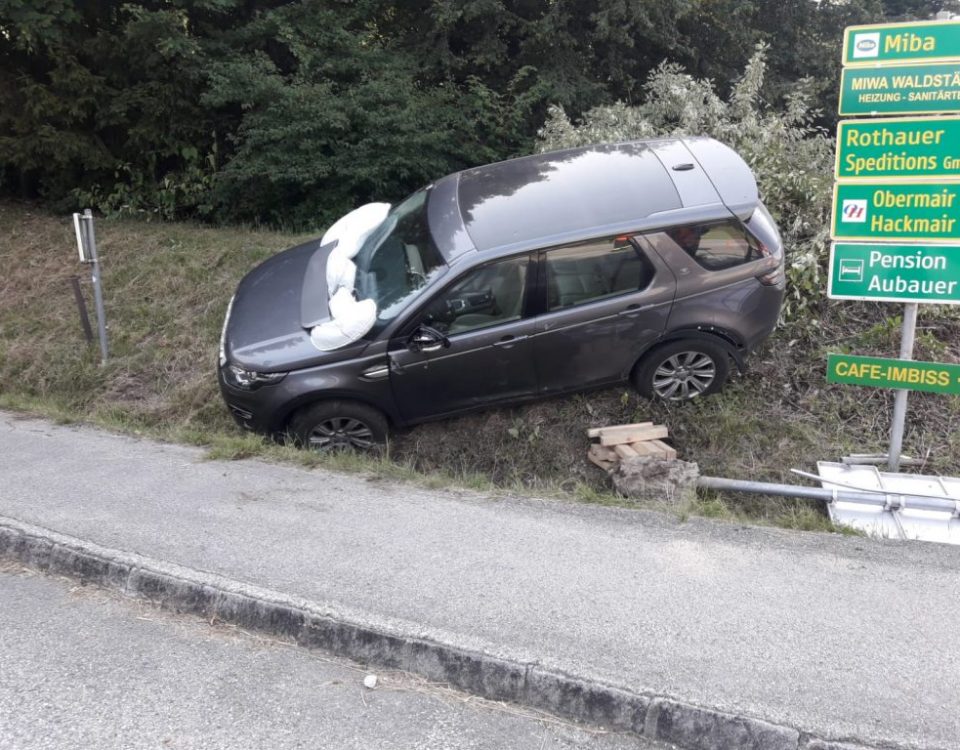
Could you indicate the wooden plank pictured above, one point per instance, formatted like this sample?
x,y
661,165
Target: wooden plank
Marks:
x,y
669,451
594,432
631,434
602,452
647,448
605,465
625,451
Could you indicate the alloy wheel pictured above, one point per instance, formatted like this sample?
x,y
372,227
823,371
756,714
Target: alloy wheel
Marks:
x,y
684,375
340,433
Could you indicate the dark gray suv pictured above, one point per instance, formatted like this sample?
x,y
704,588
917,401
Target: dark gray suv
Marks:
x,y
651,261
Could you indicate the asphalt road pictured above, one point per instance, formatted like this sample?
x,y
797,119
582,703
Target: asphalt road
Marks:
x,y
82,668
842,637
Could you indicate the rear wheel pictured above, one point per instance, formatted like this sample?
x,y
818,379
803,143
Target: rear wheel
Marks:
x,y
328,426
682,370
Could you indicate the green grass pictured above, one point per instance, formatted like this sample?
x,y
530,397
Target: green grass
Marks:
x,y
166,289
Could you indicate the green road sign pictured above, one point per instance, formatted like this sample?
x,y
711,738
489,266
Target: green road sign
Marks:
x,y
895,273
922,211
893,373
928,41
907,147
900,90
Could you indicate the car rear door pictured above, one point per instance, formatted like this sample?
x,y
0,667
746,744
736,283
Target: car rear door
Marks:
x,y
603,302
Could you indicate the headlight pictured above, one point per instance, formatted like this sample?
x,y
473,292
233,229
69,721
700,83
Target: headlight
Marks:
x,y
248,380
223,333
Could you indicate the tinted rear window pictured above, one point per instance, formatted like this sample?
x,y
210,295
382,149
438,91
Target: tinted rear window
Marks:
x,y
716,246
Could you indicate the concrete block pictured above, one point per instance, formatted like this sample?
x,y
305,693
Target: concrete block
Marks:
x,y
172,593
88,567
815,744
588,702
277,618
33,551
8,541
473,672
704,729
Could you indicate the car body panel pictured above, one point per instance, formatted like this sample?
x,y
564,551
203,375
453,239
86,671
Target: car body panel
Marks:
x,y
598,342
479,368
264,332
728,173
731,301
271,405
314,295
446,220
583,189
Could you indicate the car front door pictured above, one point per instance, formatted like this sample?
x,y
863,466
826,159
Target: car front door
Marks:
x,y
484,351
606,301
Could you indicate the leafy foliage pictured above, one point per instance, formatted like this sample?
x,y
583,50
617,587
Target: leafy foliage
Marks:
x,y
290,111
791,157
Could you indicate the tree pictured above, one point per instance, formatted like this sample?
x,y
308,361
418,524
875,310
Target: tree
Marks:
x,y
292,111
101,101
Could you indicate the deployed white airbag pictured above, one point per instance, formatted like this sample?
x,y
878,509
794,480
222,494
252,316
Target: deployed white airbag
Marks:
x,y
341,272
350,231
350,319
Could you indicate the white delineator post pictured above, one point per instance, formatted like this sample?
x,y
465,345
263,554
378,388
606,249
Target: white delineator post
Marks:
x,y
87,245
907,337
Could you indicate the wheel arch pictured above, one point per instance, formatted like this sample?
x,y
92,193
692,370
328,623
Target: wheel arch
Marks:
x,y
727,339
282,420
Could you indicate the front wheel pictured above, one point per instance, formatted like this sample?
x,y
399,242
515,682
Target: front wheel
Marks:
x,y
682,370
328,426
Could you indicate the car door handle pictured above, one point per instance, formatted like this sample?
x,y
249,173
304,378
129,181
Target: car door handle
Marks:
x,y
634,309
509,340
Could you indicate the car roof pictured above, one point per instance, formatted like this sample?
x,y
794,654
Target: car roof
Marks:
x,y
586,190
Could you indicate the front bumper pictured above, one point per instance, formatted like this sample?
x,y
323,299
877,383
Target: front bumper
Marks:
x,y
251,410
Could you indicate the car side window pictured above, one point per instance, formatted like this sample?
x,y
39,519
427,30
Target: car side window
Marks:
x,y
595,270
715,247
487,296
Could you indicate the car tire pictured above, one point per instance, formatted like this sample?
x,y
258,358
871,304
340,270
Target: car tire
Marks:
x,y
682,370
328,426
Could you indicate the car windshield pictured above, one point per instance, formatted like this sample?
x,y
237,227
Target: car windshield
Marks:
x,y
397,261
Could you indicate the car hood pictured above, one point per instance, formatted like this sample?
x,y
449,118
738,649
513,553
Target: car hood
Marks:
x,y
274,308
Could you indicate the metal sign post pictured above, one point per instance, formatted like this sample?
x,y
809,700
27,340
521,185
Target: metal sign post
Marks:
x,y
907,338
87,246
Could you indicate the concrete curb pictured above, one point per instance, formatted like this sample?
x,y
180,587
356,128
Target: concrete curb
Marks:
x,y
311,625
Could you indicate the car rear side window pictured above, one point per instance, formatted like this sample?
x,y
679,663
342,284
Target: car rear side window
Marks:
x,y
595,270
716,246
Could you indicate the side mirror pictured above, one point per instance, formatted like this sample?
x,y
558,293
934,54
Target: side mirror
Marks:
x,y
427,339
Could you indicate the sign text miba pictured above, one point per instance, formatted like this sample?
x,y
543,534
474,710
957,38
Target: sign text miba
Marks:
x,y
923,41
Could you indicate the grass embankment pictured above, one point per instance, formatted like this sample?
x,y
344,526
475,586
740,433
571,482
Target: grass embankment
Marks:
x,y
166,288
